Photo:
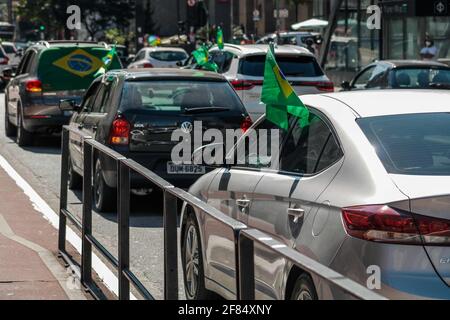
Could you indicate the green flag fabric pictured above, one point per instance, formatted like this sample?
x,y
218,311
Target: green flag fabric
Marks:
x,y
107,61
201,56
219,39
279,97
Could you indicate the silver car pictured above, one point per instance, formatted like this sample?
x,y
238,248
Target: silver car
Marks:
x,y
364,189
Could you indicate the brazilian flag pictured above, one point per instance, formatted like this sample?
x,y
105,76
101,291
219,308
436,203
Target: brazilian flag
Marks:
x,y
279,97
72,67
201,56
219,38
107,61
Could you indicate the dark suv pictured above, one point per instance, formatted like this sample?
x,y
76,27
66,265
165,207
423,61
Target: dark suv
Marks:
x,y
135,112
48,72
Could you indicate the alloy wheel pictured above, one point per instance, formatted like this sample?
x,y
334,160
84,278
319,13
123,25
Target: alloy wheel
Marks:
x,y
192,261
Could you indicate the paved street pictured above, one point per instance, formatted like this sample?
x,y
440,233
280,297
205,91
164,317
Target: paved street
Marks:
x,y
40,167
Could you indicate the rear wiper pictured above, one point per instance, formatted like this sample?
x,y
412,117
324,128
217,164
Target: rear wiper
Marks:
x,y
205,110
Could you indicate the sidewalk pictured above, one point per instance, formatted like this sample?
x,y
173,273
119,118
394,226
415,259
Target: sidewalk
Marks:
x,y
29,269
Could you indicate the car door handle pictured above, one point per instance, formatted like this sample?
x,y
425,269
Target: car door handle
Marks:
x,y
296,213
243,203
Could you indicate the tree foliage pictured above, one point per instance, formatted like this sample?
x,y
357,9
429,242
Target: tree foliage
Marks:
x,y
96,15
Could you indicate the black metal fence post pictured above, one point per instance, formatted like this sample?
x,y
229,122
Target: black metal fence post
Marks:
x,y
170,247
246,268
123,196
86,247
63,189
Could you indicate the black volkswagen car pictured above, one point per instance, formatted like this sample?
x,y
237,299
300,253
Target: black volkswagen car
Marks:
x,y
135,113
401,74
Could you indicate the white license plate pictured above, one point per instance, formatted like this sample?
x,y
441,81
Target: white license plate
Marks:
x,y
173,168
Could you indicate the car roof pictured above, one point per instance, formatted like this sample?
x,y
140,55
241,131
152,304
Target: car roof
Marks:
x,y
166,73
413,63
372,103
261,49
175,49
70,43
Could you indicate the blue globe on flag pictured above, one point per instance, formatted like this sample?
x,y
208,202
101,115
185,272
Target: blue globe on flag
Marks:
x,y
154,41
79,63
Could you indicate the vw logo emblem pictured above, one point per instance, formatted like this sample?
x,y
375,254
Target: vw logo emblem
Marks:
x,y
186,127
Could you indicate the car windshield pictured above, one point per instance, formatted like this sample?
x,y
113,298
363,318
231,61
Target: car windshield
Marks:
x,y
413,144
169,56
421,78
293,66
179,96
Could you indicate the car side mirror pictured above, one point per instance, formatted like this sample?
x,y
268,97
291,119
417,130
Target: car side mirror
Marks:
x,y
210,155
8,73
180,63
131,58
68,105
345,85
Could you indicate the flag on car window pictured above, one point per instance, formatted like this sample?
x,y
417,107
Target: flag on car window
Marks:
x,y
202,58
219,39
107,61
279,96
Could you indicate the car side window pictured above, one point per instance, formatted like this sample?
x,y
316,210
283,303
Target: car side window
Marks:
x,y
89,97
103,98
377,77
140,55
24,63
309,149
223,60
254,156
363,78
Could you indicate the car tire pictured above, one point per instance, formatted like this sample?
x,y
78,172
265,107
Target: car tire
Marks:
x,y
74,180
105,197
304,289
23,137
10,129
192,263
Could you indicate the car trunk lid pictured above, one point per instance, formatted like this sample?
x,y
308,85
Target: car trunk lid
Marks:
x,y
430,197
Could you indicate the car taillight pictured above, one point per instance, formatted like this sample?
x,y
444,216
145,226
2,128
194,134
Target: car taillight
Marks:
x,y
246,124
325,86
381,223
147,65
4,61
34,85
242,85
120,132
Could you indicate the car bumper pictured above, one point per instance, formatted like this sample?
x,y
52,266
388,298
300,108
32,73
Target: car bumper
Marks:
x,y
155,162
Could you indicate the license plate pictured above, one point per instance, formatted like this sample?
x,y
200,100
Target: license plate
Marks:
x,y
173,168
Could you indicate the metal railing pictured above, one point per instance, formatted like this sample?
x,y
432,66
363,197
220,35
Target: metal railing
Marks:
x,y
244,239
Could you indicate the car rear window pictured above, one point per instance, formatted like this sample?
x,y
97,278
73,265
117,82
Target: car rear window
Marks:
x,y
71,68
9,49
293,66
421,78
413,144
168,56
177,96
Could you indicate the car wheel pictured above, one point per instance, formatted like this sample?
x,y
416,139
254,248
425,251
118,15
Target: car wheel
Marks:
x,y
23,138
75,181
10,129
304,289
104,196
194,277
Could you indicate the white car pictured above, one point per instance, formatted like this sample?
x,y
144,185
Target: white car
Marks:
x,y
159,57
243,66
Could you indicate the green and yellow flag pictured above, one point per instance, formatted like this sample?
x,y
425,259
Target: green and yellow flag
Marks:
x,y
107,61
279,97
201,56
219,38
